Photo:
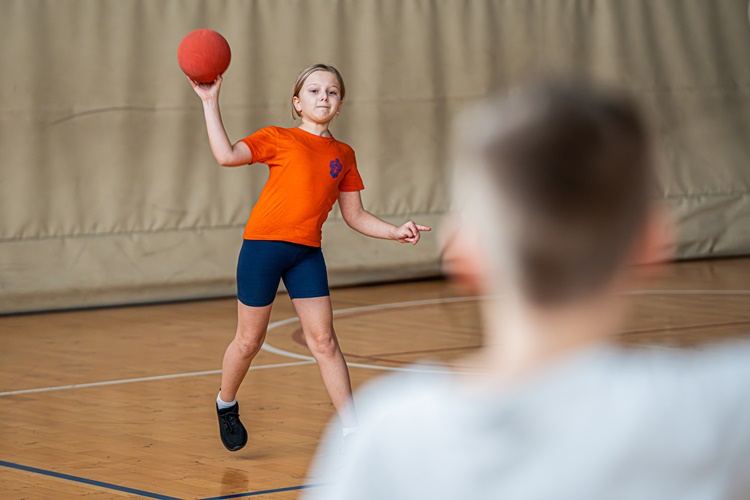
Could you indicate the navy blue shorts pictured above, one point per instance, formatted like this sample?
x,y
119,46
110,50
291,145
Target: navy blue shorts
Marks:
x,y
262,264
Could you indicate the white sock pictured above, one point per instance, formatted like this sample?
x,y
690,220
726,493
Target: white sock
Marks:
x,y
223,405
349,430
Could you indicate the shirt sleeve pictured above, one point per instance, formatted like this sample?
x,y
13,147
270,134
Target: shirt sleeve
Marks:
x,y
263,144
352,181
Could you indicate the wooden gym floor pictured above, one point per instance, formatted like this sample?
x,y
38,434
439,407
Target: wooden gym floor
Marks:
x,y
119,402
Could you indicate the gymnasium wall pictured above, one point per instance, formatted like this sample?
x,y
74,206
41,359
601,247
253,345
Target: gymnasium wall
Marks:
x,y
109,193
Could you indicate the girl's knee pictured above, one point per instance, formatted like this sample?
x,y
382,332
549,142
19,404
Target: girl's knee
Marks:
x,y
248,343
322,344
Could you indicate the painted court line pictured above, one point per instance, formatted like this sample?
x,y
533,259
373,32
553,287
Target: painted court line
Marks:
x,y
148,494
265,492
303,359
146,379
310,360
448,300
374,307
84,480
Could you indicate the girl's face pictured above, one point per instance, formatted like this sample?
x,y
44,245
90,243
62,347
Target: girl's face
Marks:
x,y
320,97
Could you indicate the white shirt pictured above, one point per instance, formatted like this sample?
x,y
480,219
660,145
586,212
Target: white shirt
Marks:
x,y
602,424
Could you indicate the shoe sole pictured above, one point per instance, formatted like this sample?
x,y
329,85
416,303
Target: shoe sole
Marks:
x,y
235,448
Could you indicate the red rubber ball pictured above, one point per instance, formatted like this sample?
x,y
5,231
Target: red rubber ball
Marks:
x,y
203,55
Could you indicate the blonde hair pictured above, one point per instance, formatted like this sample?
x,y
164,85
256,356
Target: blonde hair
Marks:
x,y
309,71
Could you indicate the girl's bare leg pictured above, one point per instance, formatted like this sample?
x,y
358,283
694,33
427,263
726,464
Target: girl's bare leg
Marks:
x,y
252,323
316,318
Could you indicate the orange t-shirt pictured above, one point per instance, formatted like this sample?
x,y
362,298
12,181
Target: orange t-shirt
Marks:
x,y
306,174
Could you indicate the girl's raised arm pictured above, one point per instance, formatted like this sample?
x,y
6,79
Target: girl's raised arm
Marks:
x,y
226,153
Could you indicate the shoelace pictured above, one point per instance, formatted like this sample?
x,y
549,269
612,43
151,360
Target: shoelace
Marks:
x,y
229,420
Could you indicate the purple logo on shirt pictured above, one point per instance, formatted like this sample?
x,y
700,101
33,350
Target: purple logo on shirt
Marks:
x,y
336,167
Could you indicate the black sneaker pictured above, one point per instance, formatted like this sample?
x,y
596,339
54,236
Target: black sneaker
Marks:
x,y
233,433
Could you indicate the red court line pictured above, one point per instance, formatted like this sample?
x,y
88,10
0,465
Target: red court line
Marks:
x,y
298,337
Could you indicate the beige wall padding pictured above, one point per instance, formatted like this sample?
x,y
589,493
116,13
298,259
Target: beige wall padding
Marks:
x,y
109,193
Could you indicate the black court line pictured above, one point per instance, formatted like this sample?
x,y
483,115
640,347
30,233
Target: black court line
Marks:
x,y
84,480
265,492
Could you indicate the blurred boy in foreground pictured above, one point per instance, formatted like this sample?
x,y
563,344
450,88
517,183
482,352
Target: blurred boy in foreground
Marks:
x,y
552,192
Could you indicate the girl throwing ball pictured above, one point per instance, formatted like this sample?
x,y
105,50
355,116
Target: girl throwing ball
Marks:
x,y
309,171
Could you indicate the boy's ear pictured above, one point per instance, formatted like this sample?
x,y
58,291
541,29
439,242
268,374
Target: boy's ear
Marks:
x,y
657,241
461,256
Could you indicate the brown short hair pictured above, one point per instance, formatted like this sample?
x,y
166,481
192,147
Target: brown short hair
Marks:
x,y
309,71
564,170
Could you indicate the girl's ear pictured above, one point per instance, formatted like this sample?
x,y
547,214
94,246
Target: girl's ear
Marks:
x,y
295,101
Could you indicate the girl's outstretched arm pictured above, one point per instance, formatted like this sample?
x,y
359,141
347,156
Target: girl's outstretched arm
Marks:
x,y
226,153
364,222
